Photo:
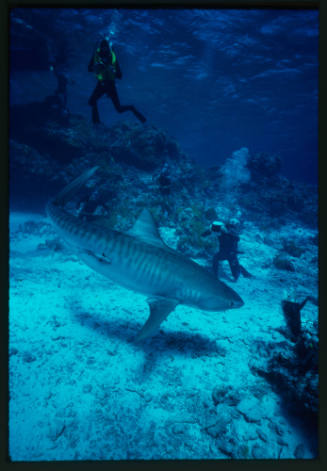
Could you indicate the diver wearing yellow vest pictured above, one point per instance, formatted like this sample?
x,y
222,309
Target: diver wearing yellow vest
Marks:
x,y
105,65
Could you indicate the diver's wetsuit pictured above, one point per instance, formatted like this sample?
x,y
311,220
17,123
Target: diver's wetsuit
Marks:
x,y
107,86
62,82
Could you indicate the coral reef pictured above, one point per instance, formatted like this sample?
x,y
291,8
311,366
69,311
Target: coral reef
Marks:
x,y
283,263
142,166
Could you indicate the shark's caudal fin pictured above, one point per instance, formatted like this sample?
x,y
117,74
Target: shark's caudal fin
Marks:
x,y
70,189
159,309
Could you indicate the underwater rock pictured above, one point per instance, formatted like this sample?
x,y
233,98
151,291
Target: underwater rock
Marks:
x,y
26,160
242,452
315,239
87,388
53,244
227,447
262,435
250,410
56,429
31,227
278,198
217,429
283,263
292,369
292,248
299,452
28,357
124,153
34,124
144,147
225,395
13,351
178,428
259,452
276,428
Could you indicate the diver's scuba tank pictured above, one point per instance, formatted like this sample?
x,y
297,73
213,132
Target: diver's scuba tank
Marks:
x,y
104,70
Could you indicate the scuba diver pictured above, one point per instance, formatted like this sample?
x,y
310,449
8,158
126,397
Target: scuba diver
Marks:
x,y
228,242
106,67
57,102
57,61
62,82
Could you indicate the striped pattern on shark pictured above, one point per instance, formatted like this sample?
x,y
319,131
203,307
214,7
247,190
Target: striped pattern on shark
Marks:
x,y
139,260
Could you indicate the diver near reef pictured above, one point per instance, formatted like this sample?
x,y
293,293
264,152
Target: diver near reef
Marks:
x,y
57,60
62,82
106,67
228,237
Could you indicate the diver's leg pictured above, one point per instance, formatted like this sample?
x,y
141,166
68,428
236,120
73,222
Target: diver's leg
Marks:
x,y
235,267
112,93
215,264
95,114
97,93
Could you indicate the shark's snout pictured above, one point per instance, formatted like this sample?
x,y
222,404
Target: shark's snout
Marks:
x,y
237,303
234,300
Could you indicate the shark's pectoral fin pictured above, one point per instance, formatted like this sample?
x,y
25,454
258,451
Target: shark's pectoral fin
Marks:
x,y
160,308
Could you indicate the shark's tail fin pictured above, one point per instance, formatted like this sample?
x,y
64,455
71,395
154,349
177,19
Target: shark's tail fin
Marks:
x,y
71,188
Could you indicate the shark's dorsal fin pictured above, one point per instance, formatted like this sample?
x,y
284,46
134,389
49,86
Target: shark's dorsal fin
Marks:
x,y
160,308
145,229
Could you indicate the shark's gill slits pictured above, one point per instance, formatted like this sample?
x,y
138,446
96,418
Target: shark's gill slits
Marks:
x,y
139,262
134,262
151,267
129,250
144,266
113,248
120,248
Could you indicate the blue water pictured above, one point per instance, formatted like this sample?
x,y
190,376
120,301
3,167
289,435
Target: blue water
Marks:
x,y
215,79
217,88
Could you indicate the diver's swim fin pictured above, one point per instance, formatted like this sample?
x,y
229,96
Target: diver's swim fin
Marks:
x,y
139,116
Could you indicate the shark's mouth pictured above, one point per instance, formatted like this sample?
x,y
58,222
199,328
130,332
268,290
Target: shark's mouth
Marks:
x,y
101,258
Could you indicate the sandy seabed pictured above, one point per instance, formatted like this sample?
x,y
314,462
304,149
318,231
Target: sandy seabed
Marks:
x,y
81,390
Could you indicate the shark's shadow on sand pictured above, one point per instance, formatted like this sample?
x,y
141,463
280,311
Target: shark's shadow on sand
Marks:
x,y
165,341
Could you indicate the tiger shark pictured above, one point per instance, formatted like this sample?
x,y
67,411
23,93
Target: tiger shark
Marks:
x,y
139,260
